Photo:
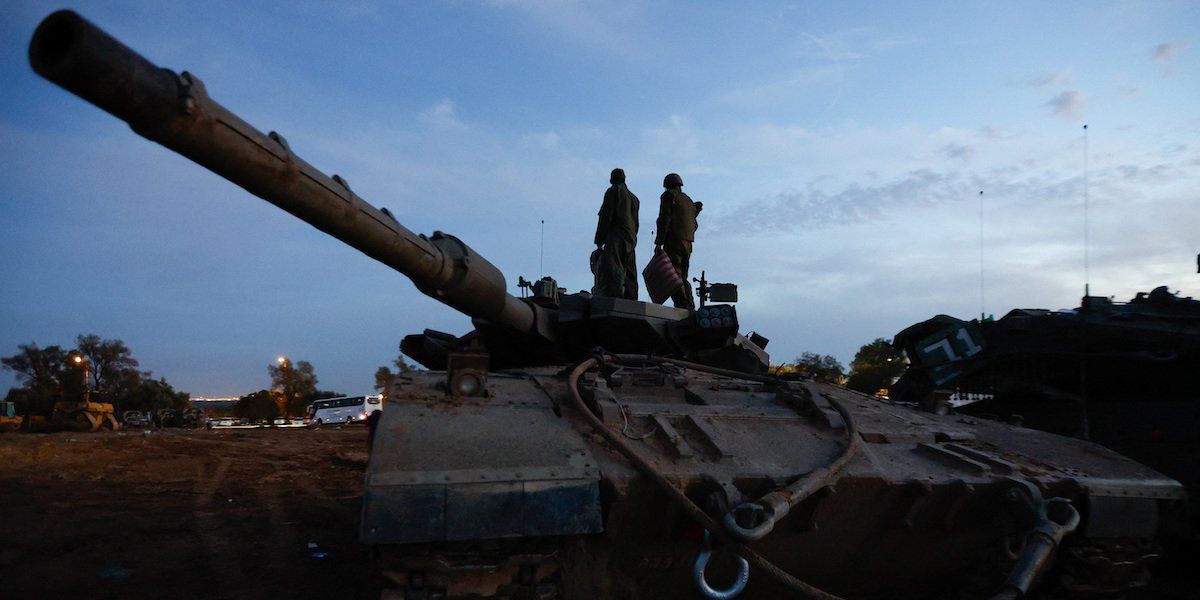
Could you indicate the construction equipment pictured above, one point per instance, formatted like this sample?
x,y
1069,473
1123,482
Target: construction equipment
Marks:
x,y
83,415
9,419
531,463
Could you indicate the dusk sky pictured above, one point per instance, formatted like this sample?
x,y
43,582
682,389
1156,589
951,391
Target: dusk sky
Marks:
x,y
839,149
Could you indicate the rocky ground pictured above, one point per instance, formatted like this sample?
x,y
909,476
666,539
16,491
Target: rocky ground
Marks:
x,y
184,514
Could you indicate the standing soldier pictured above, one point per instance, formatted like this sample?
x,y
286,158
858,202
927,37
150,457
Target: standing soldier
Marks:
x,y
676,232
616,238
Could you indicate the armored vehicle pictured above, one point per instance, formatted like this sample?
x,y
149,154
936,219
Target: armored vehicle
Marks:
x,y
575,446
1123,374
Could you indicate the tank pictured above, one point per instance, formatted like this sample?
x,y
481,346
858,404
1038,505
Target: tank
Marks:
x,y
574,446
1123,374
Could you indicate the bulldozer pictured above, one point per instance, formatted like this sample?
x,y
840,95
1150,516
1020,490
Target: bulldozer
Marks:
x,y
86,414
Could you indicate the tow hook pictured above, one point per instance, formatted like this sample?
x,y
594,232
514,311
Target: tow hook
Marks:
x,y
706,590
1057,517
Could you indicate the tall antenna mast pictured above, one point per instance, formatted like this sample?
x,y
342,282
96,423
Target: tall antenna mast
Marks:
x,y
982,312
542,253
1084,424
1087,278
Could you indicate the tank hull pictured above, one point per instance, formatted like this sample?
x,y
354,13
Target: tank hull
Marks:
x,y
1121,374
504,493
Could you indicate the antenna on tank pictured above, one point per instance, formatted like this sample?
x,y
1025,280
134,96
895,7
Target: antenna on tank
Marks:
x,y
1087,278
542,253
982,312
1084,422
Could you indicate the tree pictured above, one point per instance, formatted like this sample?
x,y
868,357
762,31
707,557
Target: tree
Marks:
x,y
294,384
50,374
152,394
26,403
42,370
875,366
385,377
107,360
256,406
820,367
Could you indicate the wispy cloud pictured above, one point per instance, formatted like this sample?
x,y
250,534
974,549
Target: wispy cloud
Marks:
x,y
851,44
1164,54
1067,104
1020,185
1057,79
781,87
442,115
958,151
812,207
545,140
613,28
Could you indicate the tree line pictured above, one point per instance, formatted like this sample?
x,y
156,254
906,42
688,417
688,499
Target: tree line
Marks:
x,y
106,368
53,374
294,388
875,367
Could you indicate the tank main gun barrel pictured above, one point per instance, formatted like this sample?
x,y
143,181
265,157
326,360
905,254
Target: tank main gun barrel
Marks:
x,y
175,111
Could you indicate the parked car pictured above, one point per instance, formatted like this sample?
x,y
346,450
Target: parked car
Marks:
x,y
279,421
133,418
166,417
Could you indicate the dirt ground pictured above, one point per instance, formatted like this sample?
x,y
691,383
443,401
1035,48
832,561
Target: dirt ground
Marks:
x,y
213,514
184,514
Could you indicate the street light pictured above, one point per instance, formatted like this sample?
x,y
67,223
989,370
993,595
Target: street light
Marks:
x,y
87,376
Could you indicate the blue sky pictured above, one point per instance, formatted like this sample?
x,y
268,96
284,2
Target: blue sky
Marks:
x,y
839,149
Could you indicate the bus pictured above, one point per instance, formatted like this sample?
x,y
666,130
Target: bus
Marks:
x,y
347,409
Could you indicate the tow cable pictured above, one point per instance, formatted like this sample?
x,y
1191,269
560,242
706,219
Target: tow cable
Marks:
x,y
695,512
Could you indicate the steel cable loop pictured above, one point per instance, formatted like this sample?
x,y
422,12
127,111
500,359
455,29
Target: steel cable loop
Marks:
x,y
734,590
776,505
694,511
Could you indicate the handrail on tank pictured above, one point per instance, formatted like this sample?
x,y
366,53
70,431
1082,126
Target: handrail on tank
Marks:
x,y
175,111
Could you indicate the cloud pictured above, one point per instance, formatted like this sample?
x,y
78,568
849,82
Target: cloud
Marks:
x,y
959,151
1164,54
990,132
1067,104
785,87
547,140
854,43
816,208
613,29
1014,181
442,115
1059,79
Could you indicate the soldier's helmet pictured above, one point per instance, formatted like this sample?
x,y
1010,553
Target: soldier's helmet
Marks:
x,y
617,176
672,180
